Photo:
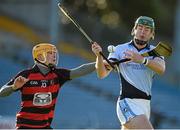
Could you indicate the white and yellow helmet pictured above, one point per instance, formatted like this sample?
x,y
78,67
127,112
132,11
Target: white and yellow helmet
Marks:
x,y
43,49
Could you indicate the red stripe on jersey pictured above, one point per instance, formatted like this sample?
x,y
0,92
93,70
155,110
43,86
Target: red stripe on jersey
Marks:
x,y
30,104
51,114
33,90
39,76
32,115
32,126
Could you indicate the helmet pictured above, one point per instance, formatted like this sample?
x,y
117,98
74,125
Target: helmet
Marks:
x,y
43,49
144,20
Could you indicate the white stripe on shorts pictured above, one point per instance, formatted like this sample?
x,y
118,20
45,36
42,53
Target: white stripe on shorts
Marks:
x,y
129,108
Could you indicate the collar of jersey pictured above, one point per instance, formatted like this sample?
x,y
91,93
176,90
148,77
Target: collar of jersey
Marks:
x,y
36,69
132,44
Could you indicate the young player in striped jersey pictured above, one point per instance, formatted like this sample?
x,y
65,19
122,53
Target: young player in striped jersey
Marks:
x,y
133,105
39,87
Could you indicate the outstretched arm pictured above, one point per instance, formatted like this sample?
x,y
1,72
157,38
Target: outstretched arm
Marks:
x,y
82,70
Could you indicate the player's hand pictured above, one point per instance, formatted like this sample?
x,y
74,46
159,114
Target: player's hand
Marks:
x,y
135,57
96,48
19,82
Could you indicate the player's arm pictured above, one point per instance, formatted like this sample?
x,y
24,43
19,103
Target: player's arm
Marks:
x,y
6,90
157,64
102,67
82,70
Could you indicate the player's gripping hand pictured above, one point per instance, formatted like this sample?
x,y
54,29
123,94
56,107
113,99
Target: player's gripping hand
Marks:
x,y
135,57
19,82
96,48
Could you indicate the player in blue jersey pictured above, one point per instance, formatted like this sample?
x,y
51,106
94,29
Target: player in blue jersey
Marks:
x,y
133,105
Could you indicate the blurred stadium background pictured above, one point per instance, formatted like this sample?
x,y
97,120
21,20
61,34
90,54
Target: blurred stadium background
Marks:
x,y
87,102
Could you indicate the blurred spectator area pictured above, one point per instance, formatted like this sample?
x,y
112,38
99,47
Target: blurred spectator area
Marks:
x,y
31,22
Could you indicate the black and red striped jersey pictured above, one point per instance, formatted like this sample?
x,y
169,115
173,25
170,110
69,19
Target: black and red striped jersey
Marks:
x,y
39,96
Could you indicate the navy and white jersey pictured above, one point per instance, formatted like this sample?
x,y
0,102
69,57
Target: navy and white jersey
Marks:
x,y
136,79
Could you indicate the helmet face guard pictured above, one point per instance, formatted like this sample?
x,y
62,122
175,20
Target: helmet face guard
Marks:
x,y
147,21
42,50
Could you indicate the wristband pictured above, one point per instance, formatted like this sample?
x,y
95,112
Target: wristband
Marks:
x,y
145,61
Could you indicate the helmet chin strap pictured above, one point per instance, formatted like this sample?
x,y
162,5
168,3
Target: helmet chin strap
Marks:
x,y
140,42
50,66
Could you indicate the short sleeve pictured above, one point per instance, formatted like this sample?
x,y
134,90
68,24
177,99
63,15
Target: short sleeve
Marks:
x,y
63,75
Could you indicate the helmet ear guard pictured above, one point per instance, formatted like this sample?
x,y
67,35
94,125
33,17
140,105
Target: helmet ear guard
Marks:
x,y
41,57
